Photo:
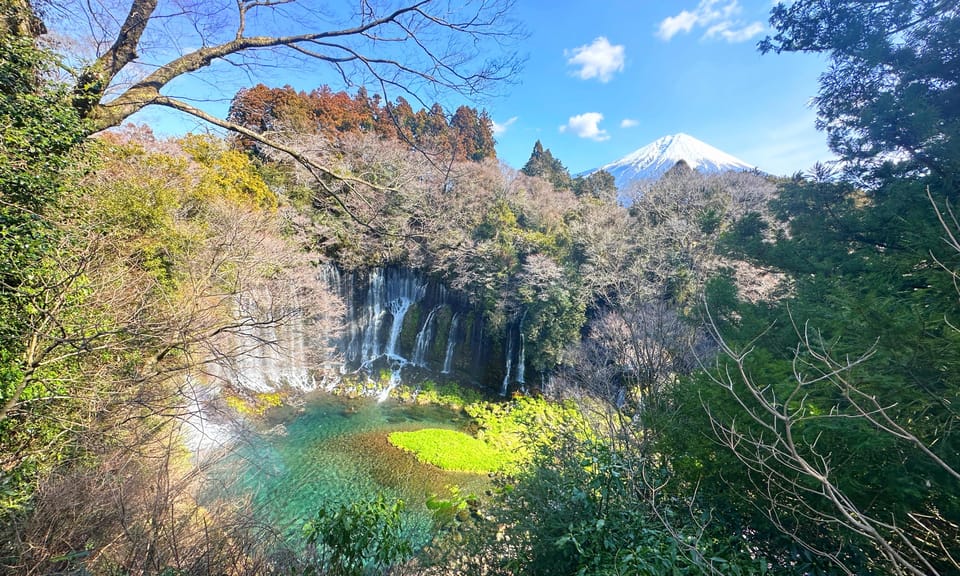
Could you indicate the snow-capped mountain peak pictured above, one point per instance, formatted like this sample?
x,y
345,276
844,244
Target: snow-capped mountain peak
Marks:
x,y
654,159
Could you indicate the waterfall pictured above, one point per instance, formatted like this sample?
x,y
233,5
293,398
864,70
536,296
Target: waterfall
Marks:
x,y
291,356
521,368
521,361
376,311
393,318
330,275
506,376
424,338
370,349
388,292
398,308
396,369
397,314
451,341
271,354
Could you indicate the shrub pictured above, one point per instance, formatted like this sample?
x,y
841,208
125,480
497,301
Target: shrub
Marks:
x,y
350,538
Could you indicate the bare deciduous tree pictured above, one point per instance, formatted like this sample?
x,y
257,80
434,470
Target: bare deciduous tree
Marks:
x,y
142,47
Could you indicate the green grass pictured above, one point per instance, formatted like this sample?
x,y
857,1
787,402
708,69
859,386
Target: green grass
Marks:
x,y
452,450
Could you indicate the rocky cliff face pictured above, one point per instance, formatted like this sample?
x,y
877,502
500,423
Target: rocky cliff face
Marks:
x,y
398,315
400,320
395,321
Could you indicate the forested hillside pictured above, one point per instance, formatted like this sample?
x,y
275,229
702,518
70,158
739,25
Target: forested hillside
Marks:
x,y
738,374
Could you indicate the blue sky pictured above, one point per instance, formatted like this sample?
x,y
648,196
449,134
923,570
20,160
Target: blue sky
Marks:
x,y
649,69
605,77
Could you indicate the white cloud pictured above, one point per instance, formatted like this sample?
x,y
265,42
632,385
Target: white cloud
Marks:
x,y
672,25
628,123
598,60
499,129
586,125
726,31
719,17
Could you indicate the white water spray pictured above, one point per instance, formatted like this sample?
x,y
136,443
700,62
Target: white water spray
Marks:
x,y
451,341
424,338
396,368
506,377
398,308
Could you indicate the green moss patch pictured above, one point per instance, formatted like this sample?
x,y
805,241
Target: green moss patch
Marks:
x,y
451,450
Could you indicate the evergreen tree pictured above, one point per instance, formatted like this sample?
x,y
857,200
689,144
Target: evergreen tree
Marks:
x,y
838,422
600,185
38,131
542,164
892,85
475,134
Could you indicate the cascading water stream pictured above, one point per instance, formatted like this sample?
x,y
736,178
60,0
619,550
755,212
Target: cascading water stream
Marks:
x,y
621,398
395,318
506,376
399,309
274,353
424,338
396,369
374,307
521,361
521,364
451,342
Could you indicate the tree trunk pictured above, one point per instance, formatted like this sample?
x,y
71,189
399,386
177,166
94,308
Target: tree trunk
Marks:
x,y
17,18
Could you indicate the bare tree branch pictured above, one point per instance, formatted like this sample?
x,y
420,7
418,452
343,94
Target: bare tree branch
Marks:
x,y
445,45
796,477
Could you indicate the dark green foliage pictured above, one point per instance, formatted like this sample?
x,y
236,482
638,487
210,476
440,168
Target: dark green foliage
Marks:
x,y
351,539
586,510
38,130
553,316
863,280
829,426
600,185
892,82
453,511
543,164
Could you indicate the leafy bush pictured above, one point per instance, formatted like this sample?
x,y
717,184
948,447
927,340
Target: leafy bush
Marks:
x,y
38,135
522,426
586,509
350,538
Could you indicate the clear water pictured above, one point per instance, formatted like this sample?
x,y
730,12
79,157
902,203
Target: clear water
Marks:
x,y
333,451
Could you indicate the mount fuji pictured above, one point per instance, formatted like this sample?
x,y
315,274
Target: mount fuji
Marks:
x,y
654,159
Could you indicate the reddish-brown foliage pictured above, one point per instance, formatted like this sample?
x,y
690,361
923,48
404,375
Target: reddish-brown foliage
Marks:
x,y
468,135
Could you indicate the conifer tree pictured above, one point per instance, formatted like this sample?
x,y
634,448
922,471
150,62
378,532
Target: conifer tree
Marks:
x,y
542,164
899,59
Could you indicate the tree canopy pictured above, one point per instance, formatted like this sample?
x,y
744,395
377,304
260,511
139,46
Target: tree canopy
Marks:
x,y
467,135
542,163
892,85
